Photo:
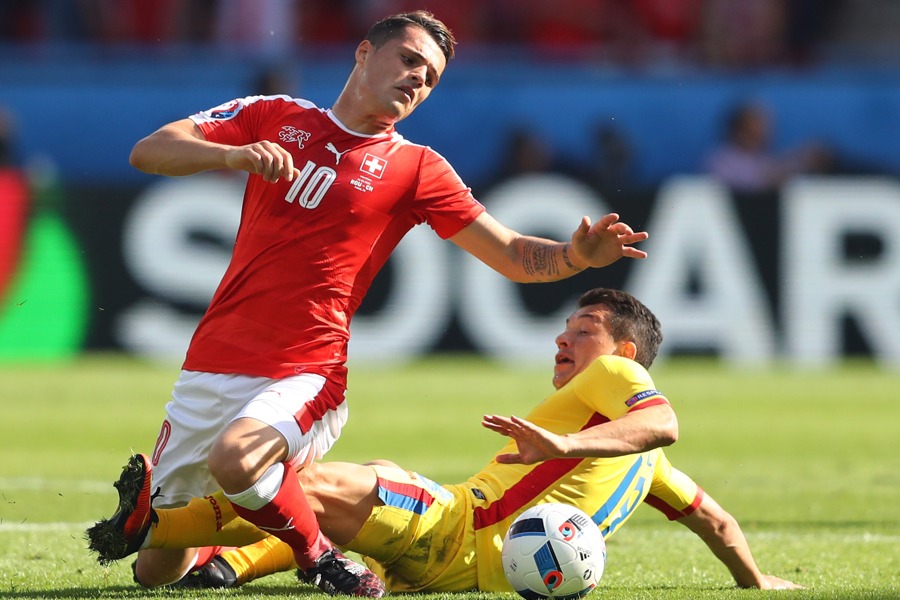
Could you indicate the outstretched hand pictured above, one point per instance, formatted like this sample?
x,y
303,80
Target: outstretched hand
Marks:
x,y
606,241
534,443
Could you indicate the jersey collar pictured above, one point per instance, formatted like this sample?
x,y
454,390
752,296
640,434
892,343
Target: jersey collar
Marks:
x,y
337,122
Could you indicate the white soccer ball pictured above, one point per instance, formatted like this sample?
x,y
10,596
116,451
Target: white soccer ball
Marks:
x,y
553,551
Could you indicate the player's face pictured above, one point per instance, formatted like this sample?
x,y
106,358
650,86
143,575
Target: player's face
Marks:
x,y
398,76
585,339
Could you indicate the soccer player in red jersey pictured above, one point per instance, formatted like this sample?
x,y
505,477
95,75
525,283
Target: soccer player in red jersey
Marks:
x,y
330,194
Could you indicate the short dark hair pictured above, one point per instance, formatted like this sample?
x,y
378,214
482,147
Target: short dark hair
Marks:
x,y
390,27
628,320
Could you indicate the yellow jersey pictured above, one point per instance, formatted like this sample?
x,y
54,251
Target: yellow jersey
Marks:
x,y
435,538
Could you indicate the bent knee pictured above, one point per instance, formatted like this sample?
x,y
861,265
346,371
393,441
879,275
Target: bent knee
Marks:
x,y
233,473
154,568
243,453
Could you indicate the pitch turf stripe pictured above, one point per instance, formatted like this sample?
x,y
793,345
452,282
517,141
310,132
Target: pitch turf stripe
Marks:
x,y
42,527
791,536
43,484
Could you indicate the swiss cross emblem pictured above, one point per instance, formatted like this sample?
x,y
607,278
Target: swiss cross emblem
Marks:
x,y
373,165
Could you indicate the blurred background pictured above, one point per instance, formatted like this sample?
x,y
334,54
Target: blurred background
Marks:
x,y
756,140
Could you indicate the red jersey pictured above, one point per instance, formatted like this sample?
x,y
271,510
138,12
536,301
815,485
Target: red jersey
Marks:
x,y
307,251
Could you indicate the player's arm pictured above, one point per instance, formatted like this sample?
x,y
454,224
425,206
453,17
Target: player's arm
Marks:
x,y
637,431
722,534
180,148
529,259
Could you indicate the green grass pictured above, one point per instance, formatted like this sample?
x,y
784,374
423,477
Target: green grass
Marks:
x,y
808,462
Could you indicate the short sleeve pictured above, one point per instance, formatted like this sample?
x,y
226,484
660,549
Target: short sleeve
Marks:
x,y
442,198
614,386
238,121
672,492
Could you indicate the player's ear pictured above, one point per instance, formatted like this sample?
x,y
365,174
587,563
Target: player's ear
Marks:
x,y
362,51
627,349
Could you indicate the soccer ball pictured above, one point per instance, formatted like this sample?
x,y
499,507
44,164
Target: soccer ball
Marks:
x,y
553,551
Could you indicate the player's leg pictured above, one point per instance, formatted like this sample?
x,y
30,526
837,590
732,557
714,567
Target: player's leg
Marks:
x,y
137,525
201,404
237,566
249,461
210,520
252,458
155,567
342,495
193,418
291,423
211,570
347,501
128,530
418,534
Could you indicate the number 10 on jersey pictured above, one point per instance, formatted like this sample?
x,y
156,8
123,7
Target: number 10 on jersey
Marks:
x,y
311,185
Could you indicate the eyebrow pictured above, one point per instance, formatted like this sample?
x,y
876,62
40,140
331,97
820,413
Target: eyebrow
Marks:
x,y
421,58
588,316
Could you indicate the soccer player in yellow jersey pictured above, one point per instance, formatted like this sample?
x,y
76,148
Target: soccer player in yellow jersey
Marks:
x,y
595,444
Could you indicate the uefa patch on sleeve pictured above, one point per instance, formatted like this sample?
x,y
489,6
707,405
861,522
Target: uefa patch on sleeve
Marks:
x,y
225,111
641,396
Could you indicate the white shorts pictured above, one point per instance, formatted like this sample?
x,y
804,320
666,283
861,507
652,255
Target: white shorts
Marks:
x,y
307,410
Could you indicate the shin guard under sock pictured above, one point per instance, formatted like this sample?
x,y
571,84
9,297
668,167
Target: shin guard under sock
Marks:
x,y
277,505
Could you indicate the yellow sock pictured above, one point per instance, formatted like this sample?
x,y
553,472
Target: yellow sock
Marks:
x,y
265,557
207,521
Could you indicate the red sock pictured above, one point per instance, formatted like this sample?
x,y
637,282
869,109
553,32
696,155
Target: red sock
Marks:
x,y
207,553
289,517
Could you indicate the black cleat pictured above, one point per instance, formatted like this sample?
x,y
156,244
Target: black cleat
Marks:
x,y
335,574
215,574
124,532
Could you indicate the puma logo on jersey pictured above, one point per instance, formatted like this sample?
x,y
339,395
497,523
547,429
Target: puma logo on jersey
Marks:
x,y
337,155
292,134
287,527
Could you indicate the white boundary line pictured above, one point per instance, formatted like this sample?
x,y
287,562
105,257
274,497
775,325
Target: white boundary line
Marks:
x,y
40,484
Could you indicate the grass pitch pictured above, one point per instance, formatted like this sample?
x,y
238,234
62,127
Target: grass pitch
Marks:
x,y
809,463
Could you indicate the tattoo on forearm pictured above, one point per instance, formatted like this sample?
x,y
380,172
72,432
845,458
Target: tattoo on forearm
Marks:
x,y
538,261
